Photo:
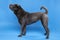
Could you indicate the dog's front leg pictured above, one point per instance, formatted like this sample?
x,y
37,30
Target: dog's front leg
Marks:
x,y
23,31
23,27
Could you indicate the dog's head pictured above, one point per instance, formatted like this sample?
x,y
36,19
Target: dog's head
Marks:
x,y
14,7
17,9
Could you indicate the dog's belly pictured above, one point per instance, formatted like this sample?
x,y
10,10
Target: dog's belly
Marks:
x,y
32,20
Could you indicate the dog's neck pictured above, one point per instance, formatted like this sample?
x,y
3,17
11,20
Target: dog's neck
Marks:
x,y
20,13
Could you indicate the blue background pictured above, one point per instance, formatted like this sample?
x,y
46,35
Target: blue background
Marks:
x,y
10,28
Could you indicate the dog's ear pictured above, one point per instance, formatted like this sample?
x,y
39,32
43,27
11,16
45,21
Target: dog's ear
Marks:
x,y
17,5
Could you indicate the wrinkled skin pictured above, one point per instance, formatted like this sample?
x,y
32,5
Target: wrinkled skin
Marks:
x,y
26,18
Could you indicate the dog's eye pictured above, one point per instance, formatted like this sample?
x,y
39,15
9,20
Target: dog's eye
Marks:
x,y
18,5
14,7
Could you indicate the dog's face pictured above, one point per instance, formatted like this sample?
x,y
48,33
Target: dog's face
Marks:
x,y
14,7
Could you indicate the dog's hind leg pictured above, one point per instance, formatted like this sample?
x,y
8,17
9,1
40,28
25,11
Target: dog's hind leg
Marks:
x,y
45,25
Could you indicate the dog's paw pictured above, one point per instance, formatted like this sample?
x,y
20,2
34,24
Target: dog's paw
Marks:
x,y
45,34
19,35
24,34
47,37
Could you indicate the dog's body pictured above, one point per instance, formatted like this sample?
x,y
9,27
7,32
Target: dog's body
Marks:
x,y
26,18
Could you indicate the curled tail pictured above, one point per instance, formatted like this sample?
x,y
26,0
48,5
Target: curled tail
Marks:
x,y
46,11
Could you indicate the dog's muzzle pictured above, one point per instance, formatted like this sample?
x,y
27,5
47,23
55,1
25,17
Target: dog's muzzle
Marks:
x,y
11,6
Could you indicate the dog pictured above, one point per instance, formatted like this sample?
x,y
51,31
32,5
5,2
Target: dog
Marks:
x,y
25,18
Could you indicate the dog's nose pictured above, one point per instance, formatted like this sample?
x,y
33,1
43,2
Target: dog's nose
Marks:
x,y
10,6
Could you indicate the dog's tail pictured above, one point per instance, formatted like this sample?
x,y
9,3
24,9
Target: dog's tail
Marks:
x,y
46,11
